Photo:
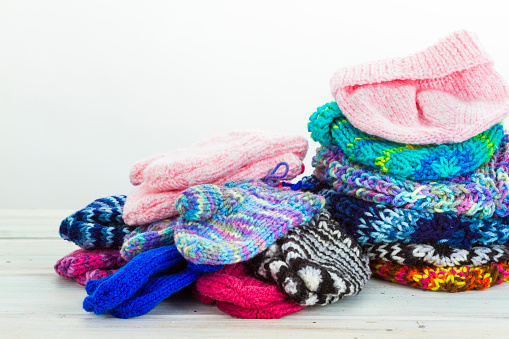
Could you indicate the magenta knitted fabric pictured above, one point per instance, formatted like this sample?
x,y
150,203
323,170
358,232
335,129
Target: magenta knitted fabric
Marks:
x,y
447,93
242,296
233,156
85,265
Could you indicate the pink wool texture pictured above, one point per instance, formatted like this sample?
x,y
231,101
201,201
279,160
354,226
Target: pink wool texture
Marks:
x,y
447,93
242,296
233,156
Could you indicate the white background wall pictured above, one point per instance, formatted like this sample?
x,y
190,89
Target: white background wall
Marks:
x,y
89,87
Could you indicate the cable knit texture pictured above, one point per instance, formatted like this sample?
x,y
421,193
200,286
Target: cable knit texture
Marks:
x,y
97,226
437,254
315,264
372,223
85,265
481,194
237,293
232,223
145,238
233,156
329,126
450,279
446,93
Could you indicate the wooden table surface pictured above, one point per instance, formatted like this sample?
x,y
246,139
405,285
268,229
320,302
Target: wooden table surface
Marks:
x,y
36,302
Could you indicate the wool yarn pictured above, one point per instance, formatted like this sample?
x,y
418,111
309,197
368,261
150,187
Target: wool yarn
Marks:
x,y
439,255
85,265
235,292
233,156
329,126
142,283
316,263
232,223
446,93
145,238
97,226
450,279
371,223
481,194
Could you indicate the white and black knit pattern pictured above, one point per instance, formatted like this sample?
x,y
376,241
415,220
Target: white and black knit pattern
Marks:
x,y
440,255
315,264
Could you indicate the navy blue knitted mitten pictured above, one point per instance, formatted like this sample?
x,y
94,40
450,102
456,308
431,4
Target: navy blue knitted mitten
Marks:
x,y
97,226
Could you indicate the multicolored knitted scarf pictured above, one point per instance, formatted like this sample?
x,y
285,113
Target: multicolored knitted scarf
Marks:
x,y
437,254
329,126
481,194
373,224
450,279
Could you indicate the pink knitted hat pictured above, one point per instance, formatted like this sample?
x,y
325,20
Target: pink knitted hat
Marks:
x,y
242,296
229,157
447,93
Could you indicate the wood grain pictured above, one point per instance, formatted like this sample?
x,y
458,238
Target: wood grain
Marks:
x,y
36,302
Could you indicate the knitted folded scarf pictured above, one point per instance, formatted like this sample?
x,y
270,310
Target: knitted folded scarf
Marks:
x,y
481,194
329,126
372,223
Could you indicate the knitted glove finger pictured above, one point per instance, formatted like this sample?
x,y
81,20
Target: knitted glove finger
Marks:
x,y
242,296
329,126
143,239
111,291
95,274
157,289
237,231
449,279
97,226
315,263
371,223
439,255
79,262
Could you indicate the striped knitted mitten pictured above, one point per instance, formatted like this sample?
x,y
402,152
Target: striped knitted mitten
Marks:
x,y
85,265
439,255
372,223
232,223
317,263
145,238
242,296
450,279
329,126
480,194
97,226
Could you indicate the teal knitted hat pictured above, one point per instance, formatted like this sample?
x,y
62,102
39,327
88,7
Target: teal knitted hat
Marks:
x,y
232,223
330,127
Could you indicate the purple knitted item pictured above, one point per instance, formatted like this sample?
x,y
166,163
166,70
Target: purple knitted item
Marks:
x,y
85,265
481,194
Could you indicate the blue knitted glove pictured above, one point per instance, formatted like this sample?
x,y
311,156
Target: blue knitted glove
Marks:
x,y
142,284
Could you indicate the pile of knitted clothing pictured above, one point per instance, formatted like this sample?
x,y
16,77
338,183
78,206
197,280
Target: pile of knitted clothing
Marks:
x,y
216,220
414,163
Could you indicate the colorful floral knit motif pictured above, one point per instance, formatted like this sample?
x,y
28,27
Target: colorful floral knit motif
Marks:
x,y
329,126
242,296
446,93
439,255
233,156
97,226
481,194
145,238
315,264
450,279
85,265
372,223
232,223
